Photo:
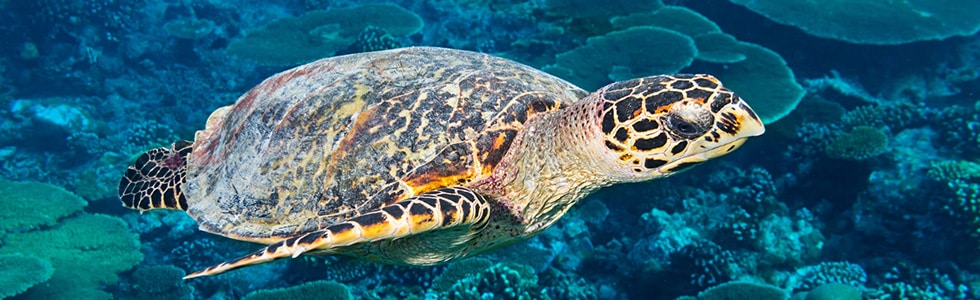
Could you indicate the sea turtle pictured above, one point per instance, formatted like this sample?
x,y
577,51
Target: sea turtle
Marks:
x,y
423,155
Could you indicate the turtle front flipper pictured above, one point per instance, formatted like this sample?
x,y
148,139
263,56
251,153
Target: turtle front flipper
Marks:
x,y
444,208
154,180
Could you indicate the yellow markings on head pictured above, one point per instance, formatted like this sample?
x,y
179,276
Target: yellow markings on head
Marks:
x,y
668,123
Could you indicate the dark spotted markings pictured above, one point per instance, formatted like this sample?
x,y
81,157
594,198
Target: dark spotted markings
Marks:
x,y
728,123
651,144
154,180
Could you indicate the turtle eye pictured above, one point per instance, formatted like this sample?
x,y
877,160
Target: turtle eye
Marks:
x,y
683,128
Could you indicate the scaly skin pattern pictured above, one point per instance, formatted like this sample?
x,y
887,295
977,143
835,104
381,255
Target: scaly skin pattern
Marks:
x,y
629,131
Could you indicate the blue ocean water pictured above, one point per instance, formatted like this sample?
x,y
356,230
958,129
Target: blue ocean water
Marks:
x,y
866,184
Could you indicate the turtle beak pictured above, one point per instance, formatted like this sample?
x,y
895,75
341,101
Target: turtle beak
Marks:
x,y
737,123
734,124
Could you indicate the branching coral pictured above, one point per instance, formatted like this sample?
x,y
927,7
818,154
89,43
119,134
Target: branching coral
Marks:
x,y
862,143
500,281
893,116
811,276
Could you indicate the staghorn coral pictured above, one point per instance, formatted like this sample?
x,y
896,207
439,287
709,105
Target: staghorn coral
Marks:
x,y
893,116
21,272
948,171
906,281
812,276
901,290
500,281
961,128
862,143
964,204
706,263
874,22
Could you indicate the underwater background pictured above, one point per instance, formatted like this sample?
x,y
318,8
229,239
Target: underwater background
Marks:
x,y
866,184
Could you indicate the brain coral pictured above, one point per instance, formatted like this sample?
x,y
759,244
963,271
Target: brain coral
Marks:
x,y
874,21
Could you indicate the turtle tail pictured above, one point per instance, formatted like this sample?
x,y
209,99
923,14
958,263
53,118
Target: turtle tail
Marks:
x,y
154,180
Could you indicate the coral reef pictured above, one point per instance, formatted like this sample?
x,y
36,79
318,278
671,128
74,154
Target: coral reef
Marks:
x,y
21,272
87,251
874,22
867,180
158,282
33,205
323,33
319,290
863,142
741,290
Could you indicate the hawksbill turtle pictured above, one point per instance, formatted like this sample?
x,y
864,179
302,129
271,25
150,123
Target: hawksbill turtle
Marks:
x,y
422,155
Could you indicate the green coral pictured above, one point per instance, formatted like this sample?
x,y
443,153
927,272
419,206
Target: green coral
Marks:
x,y
862,143
676,18
834,291
86,251
500,281
21,272
965,204
596,9
459,270
624,54
322,33
32,205
952,170
678,36
316,290
763,79
902,290
738,290
874,21
159,282
895,116
812,276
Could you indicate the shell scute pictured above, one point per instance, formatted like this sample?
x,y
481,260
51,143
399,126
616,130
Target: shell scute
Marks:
x,y
336,138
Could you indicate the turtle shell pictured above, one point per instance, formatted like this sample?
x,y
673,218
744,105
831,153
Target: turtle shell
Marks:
x,y
342,136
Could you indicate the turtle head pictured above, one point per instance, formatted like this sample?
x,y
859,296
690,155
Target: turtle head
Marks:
x,y
660,125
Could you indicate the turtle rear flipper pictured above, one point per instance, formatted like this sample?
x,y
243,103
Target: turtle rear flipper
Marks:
x,y
446,208
154,180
